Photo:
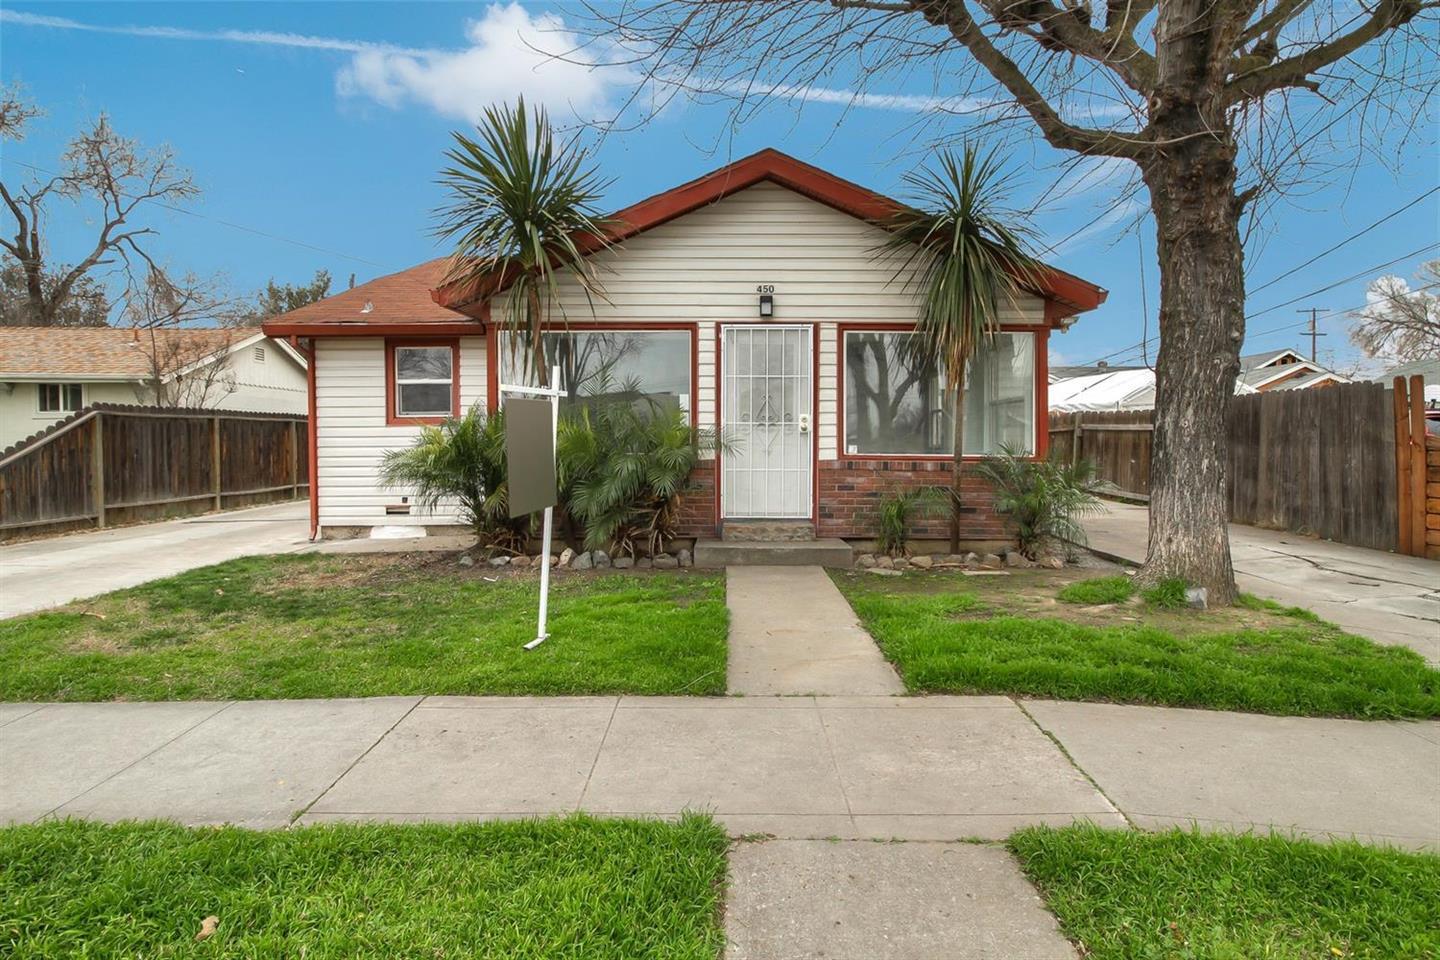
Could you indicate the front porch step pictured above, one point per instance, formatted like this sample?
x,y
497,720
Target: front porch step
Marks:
x,y
829,552
767,531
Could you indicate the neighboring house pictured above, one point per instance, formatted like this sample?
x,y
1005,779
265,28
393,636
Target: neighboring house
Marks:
x,y
1097,388
46,373
749,298
1430,371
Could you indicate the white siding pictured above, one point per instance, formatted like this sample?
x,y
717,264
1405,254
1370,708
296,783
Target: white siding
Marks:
x,y
705,266
701,268
273,385
350,395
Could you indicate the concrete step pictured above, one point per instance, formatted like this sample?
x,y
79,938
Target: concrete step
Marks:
x,y
746,553
767,531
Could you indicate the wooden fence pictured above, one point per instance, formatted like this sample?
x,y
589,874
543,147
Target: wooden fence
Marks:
x,y
1337,462
110,464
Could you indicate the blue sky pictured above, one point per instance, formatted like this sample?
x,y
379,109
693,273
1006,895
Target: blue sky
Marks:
x,y
322,126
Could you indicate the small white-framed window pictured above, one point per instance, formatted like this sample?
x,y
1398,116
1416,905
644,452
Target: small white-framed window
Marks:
x,y
424,381
61,397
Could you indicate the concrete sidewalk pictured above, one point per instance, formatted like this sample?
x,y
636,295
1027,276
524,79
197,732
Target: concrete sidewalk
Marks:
x,y
924,768
1383,596
46,573
792,632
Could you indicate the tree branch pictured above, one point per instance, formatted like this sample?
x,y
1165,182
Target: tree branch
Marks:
x,y
1295,71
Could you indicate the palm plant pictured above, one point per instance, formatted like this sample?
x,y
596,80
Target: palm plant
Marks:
x,y
522,214
1043,499
623,464
897,510
463,460
964,253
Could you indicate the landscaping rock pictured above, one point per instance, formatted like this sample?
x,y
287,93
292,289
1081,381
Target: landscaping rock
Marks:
x,y
466,560
923,562
644,563
884,563
1053,563
1017,559
1197,597
865,561
991,561
971,557
623,563
665,562
900,563
499,561
566,556
882,572
554,560
600,558
582,561
684,557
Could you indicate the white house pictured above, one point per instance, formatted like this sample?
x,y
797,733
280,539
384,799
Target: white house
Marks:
x,y
47,373
753,299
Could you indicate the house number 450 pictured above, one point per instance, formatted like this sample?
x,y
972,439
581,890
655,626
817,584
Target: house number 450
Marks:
x,y
765,288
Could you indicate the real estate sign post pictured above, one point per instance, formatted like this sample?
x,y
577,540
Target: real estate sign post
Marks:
x,y
532,416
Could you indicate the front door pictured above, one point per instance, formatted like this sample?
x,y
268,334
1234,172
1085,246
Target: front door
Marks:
x,y
767,421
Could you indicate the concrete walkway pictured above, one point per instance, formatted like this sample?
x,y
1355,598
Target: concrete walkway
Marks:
x,y
46,573
1383,596
923,768
791,632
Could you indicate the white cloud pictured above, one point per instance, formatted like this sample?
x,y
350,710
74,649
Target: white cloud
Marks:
x,y
510,53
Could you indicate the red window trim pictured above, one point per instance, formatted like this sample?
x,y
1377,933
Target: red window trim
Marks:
x,y
492,347
392,418
1040,393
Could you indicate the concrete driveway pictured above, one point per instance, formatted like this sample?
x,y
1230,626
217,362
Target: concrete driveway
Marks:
x,y
47,573
1383,596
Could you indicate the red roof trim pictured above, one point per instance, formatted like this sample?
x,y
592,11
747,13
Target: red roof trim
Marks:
x,y
773,166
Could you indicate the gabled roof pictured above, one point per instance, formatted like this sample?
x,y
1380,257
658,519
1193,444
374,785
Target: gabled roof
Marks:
x,y
108,353
413,301
1254,361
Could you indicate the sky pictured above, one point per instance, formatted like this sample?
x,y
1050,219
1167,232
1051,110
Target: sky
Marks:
x,y
316,131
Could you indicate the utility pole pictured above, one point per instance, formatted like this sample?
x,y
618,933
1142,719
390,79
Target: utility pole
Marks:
x,y
1313,311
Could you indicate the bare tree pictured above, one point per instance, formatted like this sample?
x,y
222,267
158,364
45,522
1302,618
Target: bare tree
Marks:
x,y
1399,323
187,366
1197,94
99,168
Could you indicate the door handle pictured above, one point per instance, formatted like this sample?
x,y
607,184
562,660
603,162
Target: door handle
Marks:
x,y
804,423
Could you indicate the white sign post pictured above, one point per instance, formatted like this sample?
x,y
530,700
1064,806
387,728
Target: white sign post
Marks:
x,y
554,393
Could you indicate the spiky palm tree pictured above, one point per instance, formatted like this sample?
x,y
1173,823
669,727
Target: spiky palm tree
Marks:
x,y
964,253
522,208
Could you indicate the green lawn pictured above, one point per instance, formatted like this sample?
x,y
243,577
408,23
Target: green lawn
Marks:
x,y
576,888
1027,634
1190,896
345,626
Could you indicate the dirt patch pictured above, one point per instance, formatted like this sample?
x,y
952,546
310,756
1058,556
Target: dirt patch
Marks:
x,y
1032,593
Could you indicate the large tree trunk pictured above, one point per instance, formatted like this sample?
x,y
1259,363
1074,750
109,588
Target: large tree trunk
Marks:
x,y
1202,324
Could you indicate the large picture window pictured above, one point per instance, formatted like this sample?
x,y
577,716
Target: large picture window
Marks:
x,y
424,381
648,365
897,406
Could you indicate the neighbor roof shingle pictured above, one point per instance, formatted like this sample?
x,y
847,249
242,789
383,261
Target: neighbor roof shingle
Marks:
x,y
101,351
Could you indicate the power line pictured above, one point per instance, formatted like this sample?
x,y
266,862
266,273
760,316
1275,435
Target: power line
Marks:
x,y
1354,236
1135,347
227,223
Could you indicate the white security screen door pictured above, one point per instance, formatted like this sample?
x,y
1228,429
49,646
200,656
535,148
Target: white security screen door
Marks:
x,y
767,421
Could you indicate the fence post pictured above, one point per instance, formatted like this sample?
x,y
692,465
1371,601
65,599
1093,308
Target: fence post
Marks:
x,y
97,470
215,460
1075,439
1417,465
1402,468
294,459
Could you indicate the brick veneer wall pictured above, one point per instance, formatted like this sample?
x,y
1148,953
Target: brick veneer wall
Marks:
x,y
851,491
697,503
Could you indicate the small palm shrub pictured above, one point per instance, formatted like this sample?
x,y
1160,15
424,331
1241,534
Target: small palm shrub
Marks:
x,y
623,465
1043,499
898,510
462,459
